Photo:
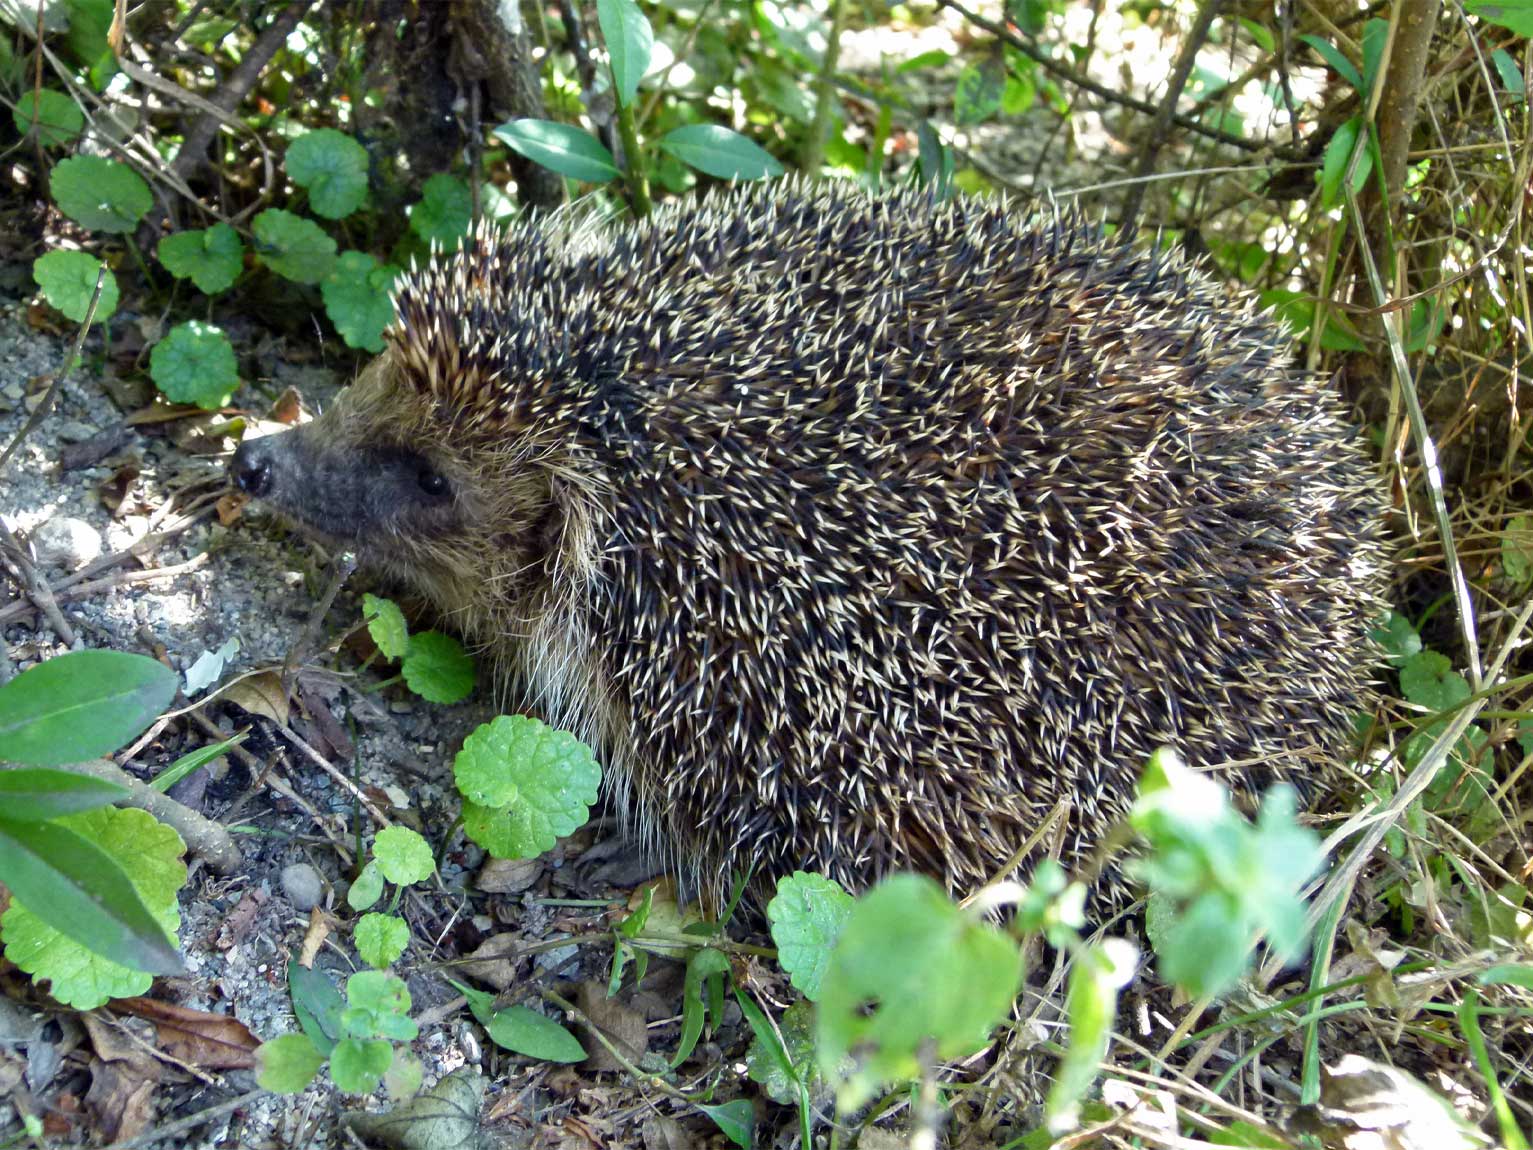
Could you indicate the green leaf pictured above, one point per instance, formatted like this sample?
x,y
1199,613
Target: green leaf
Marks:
x,y
358,300
522,1030
287,1064
910,967
1517,15
736,1119
1338,154
31,794
1339,63
437,668
381,939
212,258
358,1065
386,624
195,364
68,280
100,194
445,212
333,167
367,889
1429,680
630,40
1249,1137
81,705
193,760
526,783
781,1066
93,902
1398,637
562,148
1091,1005
1220,882
317,1005
293,247
403,855
377,1005
1507,974
704,966
1511,75
716,151
1375,39
807,916
1517,550
53,116
978,94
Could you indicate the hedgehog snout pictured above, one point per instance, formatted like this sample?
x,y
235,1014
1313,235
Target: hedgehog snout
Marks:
x,y
251,468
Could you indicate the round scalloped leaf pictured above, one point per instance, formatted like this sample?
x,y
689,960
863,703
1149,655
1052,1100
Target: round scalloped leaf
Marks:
x,y
333,167
52,115
358,1065
933,973
437,668
526,783
151,854
212,258
287,1064
381,938
68,280
717,151
357,299
195,364
293,247
1428,679
386,624
403,855
100,194
445,211
807,916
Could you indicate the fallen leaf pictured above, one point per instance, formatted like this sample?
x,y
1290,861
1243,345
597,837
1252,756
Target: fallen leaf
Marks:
x,y
196,1037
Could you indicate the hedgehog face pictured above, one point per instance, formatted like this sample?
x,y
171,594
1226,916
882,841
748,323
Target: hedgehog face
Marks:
x,y
381,474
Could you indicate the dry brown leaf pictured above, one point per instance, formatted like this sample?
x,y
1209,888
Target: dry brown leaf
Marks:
x,y
124,1078
494,962
236,925
508,876
622,1025
314,937
196,1037
261,695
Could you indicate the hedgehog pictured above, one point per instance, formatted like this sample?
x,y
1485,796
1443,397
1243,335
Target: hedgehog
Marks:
x,y
863,532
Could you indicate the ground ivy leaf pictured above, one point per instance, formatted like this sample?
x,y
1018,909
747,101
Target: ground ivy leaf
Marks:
x,y
195,364
403,855
381,938
807,916
540,780
68,281
287,1064
437,668
910,967
212,258
333,167
386,624
357,299
293,247
100,194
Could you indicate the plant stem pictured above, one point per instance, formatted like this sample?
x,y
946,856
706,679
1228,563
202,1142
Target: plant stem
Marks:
x,y
814,155
634,174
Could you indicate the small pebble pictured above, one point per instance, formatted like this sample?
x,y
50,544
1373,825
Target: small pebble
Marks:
x,y
302,885
66,542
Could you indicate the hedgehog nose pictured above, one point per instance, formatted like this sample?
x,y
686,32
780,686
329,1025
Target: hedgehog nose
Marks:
x,y
251,467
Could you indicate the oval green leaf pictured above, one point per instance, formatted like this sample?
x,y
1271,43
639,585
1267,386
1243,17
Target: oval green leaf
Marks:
x,y
717,151
81,706
562,148
524,1031
85,894
30,794
630,40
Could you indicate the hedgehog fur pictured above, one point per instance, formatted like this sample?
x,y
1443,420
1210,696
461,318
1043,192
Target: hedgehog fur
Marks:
x,y
856,532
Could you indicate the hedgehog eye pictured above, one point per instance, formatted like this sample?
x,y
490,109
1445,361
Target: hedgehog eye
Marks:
x,y
433,483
